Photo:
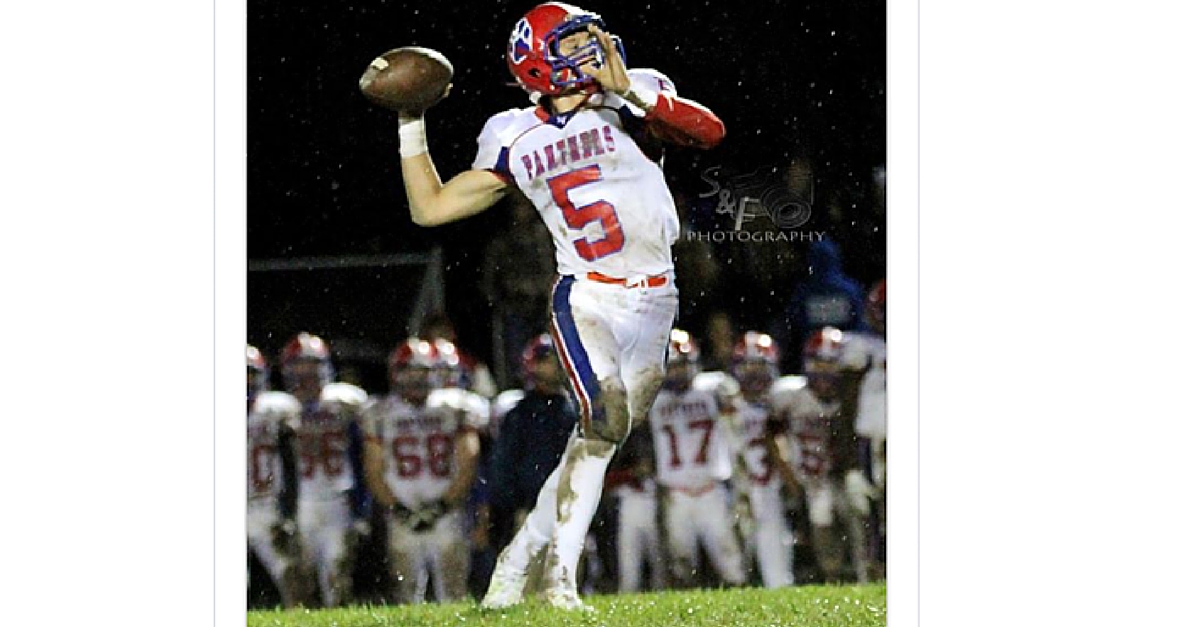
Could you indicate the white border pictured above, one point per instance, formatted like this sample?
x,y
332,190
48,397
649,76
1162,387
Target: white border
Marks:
x,y
230,470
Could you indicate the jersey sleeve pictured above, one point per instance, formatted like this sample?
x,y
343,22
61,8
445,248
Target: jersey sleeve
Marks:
x,y
492,154
674,119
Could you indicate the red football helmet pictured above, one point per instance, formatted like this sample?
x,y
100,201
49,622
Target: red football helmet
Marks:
x,y
755,363
682,348
306,347
413,353
877,306
533,52
825,345
257,371
755,346
452,367
411,368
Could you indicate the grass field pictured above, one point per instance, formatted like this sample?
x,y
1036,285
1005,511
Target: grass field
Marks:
x,y
805,606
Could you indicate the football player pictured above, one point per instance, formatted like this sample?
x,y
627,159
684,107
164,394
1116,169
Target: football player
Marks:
x,y
866,356
587,155
332,501
421,456
631,478
692,461
819,419
755,369
271,479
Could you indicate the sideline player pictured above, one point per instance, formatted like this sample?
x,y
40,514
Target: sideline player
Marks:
x,y
588,156
332,499
272,418
755,367
693,461
420,460
866,355
819,419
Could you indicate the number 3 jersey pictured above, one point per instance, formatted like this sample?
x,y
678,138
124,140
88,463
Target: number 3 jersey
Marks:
x,y
691,448
417,443
603,198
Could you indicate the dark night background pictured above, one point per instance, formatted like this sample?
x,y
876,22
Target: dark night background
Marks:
x,y
792,81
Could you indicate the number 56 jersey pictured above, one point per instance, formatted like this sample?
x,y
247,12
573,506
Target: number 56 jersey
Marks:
x,y
588,172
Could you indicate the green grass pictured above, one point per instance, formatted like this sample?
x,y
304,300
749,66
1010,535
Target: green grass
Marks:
x,y
804,606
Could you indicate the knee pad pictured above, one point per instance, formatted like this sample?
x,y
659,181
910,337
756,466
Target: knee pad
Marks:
x,y
613,423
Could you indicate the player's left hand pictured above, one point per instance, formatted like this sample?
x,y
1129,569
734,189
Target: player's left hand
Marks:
x,y
612,77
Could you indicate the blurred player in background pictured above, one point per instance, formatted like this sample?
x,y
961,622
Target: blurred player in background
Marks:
x,y
819,420
332,494
693,460
587,155
866,355
272,418
421,455
639,523
755,369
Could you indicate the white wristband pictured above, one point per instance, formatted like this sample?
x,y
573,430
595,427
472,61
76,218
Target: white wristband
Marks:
x,y
412,136
641,96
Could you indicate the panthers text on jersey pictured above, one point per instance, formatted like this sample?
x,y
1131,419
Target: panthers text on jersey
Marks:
x,y
601,195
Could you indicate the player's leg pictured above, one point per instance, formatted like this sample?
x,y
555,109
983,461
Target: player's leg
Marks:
x,y
716,533
278,555
508,579
852,510
404,560
629,555
589,352
772,538
682,537
826,544
451,559
336,560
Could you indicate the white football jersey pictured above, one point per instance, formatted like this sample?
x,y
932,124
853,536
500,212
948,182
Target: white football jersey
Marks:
x,y
868,350
809,423
605,201
417,445
691,451
752,431
324,442
272,411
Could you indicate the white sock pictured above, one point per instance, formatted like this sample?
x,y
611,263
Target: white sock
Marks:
x,y
585,463
535,532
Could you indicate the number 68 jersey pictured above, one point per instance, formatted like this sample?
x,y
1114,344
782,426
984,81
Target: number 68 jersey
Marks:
x,y
603,198
418,442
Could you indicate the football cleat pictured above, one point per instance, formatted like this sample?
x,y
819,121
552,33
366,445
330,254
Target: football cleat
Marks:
x,y
506,589
563,598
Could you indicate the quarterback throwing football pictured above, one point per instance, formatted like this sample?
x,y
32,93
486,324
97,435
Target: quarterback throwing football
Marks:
x,y
588,155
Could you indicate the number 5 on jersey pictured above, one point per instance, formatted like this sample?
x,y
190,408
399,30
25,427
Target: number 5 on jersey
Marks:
x,y
579,217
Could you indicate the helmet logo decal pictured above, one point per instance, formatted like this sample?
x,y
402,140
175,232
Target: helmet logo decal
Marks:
x,y
521,42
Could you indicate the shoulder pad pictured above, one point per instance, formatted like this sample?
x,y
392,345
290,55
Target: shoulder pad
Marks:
x,y
344,394
786,390
279,404
505,126
505,401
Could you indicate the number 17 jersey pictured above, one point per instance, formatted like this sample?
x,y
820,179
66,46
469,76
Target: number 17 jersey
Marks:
x,y
603,198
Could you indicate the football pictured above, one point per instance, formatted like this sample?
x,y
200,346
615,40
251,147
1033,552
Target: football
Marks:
x,y
408,80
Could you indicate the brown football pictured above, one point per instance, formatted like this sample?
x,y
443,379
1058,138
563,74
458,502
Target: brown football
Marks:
x,y
408,80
